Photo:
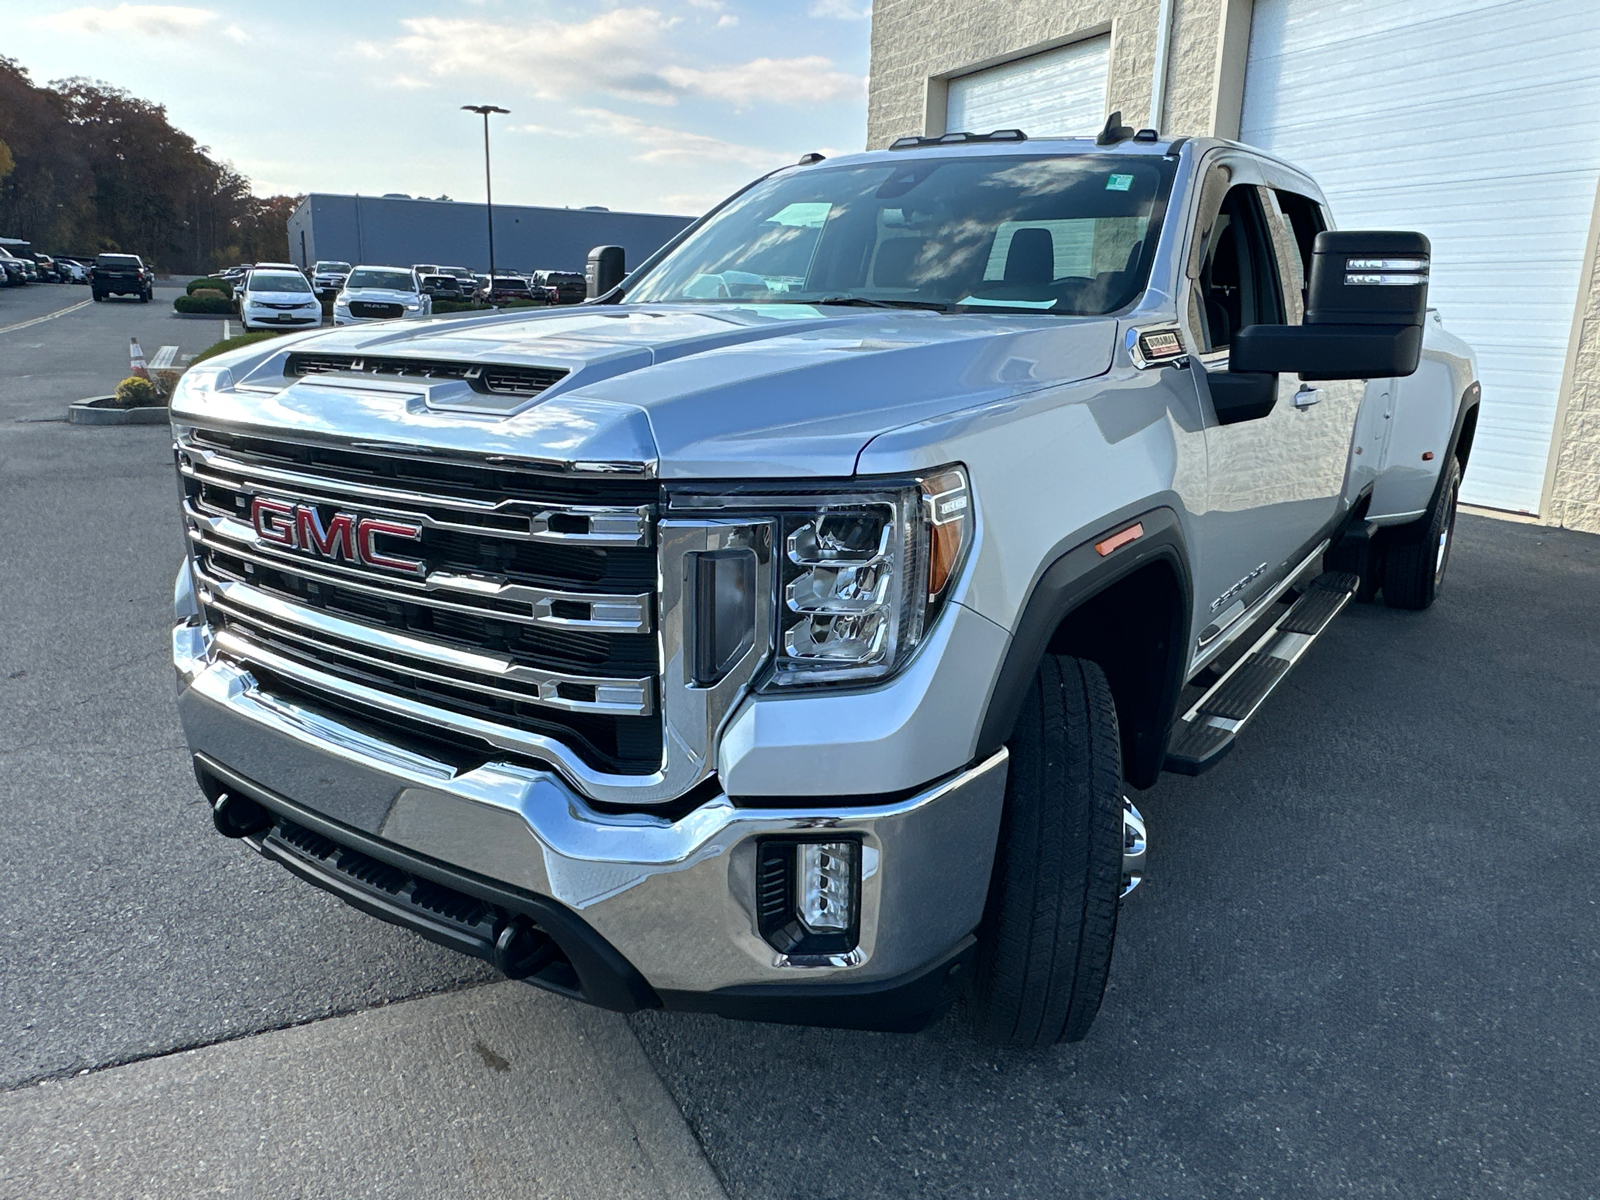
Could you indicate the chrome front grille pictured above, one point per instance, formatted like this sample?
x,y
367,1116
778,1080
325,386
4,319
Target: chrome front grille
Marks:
x,y
528,622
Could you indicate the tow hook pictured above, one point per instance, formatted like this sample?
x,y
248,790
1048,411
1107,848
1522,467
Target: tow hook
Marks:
x,y
1133,847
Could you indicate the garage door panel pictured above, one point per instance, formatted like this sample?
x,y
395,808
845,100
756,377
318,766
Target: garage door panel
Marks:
x,y
1056,93
1456,118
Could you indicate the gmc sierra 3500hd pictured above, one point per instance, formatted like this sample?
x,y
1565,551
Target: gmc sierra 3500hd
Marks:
x,y
776,634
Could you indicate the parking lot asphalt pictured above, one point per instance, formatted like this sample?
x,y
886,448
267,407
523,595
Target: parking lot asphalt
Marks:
x,y
84,352
1364,961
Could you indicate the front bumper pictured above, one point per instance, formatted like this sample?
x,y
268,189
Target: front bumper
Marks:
x,y
674,899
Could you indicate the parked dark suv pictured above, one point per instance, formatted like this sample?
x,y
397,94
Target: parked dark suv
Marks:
x,y
569,287
121,275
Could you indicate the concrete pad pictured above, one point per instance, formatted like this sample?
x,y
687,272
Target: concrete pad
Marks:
x,y
499,1090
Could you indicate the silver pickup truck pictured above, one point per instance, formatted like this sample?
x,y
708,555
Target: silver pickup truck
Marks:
x,y
780,633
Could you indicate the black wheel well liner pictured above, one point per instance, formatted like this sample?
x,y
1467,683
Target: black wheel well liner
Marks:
x,y
1127,611
1467,424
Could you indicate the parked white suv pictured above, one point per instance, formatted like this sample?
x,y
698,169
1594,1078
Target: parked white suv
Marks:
x,y
381,294
275,299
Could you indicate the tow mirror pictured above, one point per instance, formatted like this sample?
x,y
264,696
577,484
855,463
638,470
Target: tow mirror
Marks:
x,y
607,266
1364,312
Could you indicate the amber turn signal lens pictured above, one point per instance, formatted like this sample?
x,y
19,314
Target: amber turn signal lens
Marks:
x,y
944,549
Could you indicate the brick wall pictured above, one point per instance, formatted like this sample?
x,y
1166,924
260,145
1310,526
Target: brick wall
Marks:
x,y
1575,489
914,40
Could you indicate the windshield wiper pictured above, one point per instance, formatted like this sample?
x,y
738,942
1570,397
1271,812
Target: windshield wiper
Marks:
x,y
863,302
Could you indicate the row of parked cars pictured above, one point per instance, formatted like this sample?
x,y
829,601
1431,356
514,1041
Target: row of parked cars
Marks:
x,y
282,295
19,269
458,283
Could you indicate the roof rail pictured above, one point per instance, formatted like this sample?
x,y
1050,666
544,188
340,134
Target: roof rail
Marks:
x,y
958,139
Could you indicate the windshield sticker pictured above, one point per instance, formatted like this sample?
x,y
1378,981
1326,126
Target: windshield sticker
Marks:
x,y
1119,183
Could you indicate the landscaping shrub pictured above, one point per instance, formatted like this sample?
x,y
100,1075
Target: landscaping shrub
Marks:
x,y
213,304
233,343
165,380
210,283
134,392
440,307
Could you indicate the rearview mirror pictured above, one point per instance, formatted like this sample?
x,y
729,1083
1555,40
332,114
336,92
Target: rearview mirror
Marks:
x,y
1365,308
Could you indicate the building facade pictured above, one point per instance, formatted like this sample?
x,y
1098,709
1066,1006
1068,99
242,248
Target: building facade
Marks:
x,y
1470,120
400,231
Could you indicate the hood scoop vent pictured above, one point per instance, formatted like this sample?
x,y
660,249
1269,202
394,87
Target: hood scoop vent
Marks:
x,y
514,383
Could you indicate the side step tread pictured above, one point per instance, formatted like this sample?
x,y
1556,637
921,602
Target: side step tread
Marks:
x,y
1207,731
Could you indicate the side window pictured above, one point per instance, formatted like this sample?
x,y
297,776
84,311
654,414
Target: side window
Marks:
x,y
1305,218
1238,282
1292,268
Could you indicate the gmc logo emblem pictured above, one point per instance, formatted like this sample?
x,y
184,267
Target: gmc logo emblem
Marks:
x,y
346,538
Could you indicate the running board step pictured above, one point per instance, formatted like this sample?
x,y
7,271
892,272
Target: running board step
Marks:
x,y
1207,731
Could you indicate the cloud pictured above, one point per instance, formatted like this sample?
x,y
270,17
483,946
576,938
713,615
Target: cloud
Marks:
x,y
141,20
675,147
809,80
613,52
726,20
840,10
620,53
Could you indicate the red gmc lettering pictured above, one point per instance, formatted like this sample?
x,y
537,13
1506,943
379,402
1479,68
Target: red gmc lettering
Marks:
x,y
336,541
366,537
274,522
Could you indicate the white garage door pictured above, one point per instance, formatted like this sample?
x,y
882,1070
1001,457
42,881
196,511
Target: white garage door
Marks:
x,y
1058,93
1477,122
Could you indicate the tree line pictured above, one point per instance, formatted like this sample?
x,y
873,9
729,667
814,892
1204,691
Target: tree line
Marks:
x,y
86,167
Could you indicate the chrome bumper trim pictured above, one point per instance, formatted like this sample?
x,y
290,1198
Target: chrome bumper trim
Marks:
x,y
675,897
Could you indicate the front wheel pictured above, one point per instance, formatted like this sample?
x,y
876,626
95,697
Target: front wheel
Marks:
x,y
1044,948
1417,554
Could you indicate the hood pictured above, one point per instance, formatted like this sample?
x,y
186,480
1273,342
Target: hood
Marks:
x,y
381,295
713,391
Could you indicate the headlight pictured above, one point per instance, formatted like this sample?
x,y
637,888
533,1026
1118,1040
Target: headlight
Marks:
x,y
862,572
197,382
341,301
412,306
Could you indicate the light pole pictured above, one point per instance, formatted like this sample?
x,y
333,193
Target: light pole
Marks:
x,y
488,186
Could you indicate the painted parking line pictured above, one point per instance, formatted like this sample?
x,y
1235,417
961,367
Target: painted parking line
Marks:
x,y
60,312
163,358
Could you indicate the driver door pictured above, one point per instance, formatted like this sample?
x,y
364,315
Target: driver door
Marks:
x,y
1276,478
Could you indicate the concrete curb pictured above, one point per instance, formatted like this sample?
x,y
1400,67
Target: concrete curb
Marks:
x,y
97,411
205,316
499,1092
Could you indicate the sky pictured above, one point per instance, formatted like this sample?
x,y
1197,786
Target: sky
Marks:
x,y
660,107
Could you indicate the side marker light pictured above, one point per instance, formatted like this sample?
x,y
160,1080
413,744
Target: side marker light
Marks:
x,y
1118,540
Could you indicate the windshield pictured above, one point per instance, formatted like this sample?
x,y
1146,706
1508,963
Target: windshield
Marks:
x,y
331,267
285,282
394,281
117,260
1064,234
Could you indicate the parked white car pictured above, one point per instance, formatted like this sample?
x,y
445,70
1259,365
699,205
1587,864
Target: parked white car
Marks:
x,y
381,294
274,299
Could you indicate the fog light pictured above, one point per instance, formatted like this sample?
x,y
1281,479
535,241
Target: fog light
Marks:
x,y
827,885
808,895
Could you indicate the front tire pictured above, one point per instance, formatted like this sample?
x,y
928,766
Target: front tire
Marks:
x,y
1417,554
1044,948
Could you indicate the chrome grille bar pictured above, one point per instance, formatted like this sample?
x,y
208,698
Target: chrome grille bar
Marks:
x,y
562,524
609,613
479,671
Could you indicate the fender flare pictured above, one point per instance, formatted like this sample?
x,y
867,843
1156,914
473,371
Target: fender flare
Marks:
x,y
1072,580
1471,398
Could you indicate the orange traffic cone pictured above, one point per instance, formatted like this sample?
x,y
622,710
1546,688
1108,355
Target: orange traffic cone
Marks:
x,y
136,364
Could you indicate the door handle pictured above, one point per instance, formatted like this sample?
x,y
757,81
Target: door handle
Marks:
x,y
1306,397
